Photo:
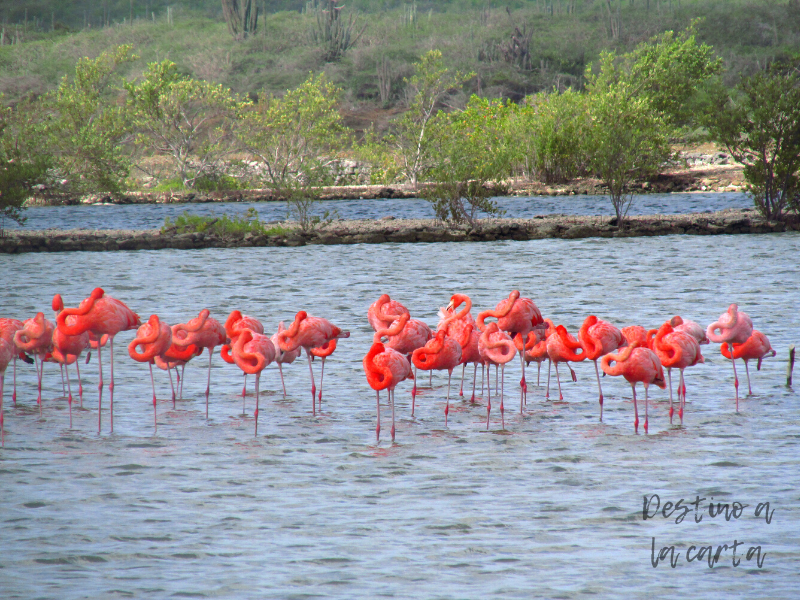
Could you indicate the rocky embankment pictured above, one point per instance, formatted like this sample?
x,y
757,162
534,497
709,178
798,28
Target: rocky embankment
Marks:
x,y
729,221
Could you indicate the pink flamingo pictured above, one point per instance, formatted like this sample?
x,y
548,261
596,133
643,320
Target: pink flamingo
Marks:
x,y
201,332
234,325
283,358
676,350
405,335
309,333
101,316
756,347
385,368
173,358
8,353
636,335
154,338
562,347
538,352
598,338
441,353
734,327
251,353
495,347
517,316
636,364
36,337
693,329
384,311
66,351
462,326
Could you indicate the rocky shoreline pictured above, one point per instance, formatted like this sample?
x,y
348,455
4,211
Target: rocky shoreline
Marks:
x,y
389,230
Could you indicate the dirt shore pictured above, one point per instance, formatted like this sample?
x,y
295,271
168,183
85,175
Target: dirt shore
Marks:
x,y
388,230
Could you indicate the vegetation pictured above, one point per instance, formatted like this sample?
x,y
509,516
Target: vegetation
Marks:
x,y
224,226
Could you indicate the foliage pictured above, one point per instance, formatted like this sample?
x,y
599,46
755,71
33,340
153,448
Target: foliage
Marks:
x,y
416,129
668,69
627,140
760,126
296,138
333,33
186,120
21,168
471,156
224,226
83,129
548,132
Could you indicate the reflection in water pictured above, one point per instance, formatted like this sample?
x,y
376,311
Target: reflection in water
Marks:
x,y
550,507
151,216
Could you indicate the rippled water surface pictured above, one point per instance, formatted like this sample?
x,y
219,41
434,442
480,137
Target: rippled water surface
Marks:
x,y
313,507
151,216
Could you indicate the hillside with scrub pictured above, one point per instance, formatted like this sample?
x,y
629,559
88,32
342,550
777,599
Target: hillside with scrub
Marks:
x,y
103,97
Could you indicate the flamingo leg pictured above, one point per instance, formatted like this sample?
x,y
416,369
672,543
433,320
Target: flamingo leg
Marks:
x,y
255,414
747,370
181,379
321,375
69,396
100,390
646,386
635,410
14,393
538,373
558,379
502,384
474,378
111,384
681,396
413,393
63,385
669,381
313,387
153,383
208,382
488,397
547,392
169,372
430,379
80,383
735,377
447,406
39,373
280,370
378,426
391,398
599,387
2,412
523,386
244,388
463,369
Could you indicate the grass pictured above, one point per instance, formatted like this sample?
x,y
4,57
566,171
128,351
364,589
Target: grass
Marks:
x,y
224,226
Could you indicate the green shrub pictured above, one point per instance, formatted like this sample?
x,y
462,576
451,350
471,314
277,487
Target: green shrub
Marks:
x,y
224,226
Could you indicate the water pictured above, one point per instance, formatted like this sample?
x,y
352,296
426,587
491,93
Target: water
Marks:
x,y
313,507
151,216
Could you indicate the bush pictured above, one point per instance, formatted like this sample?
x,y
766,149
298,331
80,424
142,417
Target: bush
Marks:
x,y
224,226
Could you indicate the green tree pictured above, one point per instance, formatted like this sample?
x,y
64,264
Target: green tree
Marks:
x,y
415,130
84,129
297,139
22,166
627,140
472,155
186,120
548,132
760,127
669,69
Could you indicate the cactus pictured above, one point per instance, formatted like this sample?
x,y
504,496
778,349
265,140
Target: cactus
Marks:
x,y
333,33
241,16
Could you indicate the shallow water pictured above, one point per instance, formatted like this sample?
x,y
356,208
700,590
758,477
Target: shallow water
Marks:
x,y
151,216
313,507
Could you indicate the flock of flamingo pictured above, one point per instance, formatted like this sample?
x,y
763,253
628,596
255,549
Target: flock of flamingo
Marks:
x,y
400,344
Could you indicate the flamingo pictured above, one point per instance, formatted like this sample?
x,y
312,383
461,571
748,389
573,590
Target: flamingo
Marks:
x,y
495,347
201,332
538,352
8,353
405,335
734,327
384,311
562,347
693,329
154,338
309,333
234,325
636,363
756,347
598,338
440,352
101,316
636,334
462,326
517,316
676,349
36,337
283,358
66,350
176,357
251,353
385,367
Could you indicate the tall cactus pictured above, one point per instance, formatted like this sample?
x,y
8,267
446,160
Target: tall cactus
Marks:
x,y
333,33
241,17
